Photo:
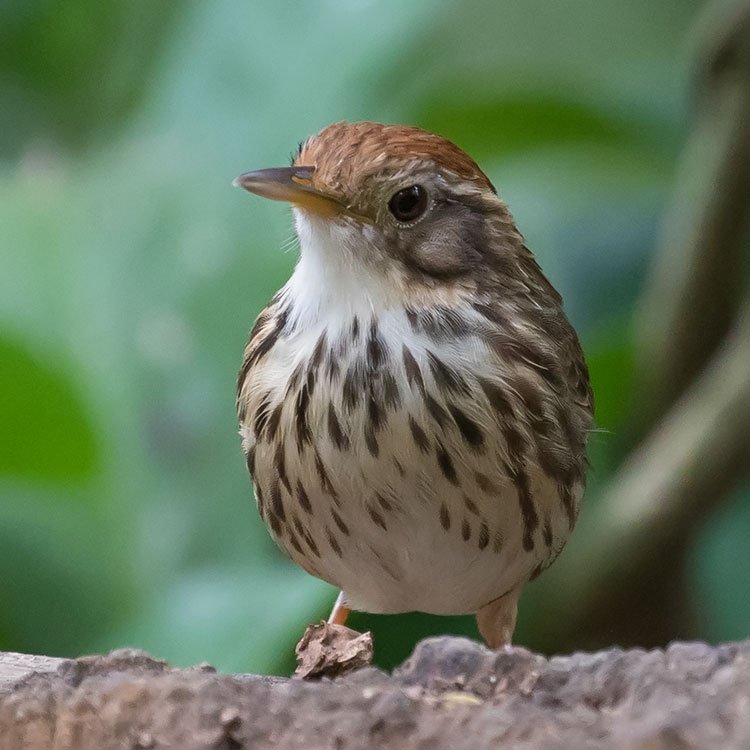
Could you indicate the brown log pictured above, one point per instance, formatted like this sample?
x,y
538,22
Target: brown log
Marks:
x,y
452,693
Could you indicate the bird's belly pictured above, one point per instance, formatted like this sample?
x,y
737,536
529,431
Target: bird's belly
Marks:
x,y
434,554
399,536
408,518
386,470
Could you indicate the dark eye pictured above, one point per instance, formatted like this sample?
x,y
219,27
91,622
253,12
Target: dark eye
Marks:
x,y
408,204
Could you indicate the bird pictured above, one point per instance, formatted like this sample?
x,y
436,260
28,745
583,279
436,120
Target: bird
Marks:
x,y
413,403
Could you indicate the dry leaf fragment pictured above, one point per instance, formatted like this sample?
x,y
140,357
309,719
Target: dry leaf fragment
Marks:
x,y
328,650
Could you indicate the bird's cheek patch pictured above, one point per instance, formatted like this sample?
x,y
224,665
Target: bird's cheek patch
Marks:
x,y
445,248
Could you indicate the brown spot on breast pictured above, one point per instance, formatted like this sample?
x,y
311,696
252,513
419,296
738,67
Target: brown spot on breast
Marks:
x,y
303,498
547,532
293,541
484,536
273,422
484,483
526,384
412,317
280,464
445,462
436,411
250,460
420,438
332,365
260,322
384,503
442,323
516,470
468,428
304,436
528,510
413,373
514,349
471,506
317,355
497,398
566,495
492,313
465,530
377,518
376,351
294,379
261,416
259,344
275,524
375,413
371,441
445,519
516,445
298,525
391,395
259,501
277,505
497,541
339,439
353,390
324,479
310,381
310,542
339,522
333,542
447,378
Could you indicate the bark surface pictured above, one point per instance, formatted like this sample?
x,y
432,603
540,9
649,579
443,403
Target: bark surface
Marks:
x,y
451,693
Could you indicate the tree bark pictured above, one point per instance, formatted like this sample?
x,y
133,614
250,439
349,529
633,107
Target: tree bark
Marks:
x,y
451,693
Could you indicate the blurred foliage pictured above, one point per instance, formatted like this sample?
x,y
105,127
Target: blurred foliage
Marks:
x,y
131,273
72,71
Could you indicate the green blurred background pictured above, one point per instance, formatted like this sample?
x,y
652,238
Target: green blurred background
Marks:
x,y
131,272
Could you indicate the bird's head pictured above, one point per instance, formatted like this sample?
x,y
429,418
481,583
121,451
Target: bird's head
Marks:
x,y
393,200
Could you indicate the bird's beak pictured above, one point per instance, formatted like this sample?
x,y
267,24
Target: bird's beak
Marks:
x,y
292,184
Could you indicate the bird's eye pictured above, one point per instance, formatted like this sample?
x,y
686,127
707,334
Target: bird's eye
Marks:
x,y
408,204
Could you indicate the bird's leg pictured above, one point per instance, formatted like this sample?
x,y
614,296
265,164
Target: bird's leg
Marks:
x,y
340,611
497,619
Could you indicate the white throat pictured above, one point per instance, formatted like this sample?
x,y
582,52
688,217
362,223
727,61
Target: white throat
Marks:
x,y
332,282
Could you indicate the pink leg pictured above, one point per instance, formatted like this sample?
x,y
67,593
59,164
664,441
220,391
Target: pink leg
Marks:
x,y
340,611
497,620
